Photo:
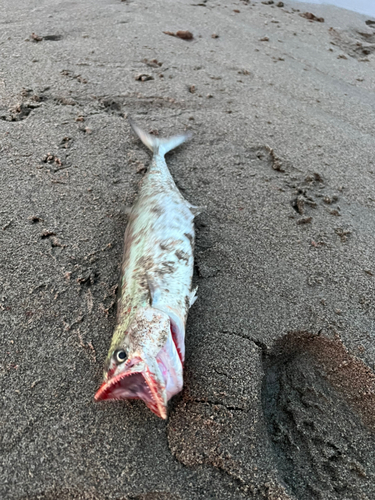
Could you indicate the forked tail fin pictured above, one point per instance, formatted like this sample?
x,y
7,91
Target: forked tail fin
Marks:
x,y
159,146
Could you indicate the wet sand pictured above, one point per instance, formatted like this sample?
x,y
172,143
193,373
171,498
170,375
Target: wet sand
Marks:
x,y
279,377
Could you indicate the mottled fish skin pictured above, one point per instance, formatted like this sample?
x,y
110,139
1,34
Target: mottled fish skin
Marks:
x,y
155,289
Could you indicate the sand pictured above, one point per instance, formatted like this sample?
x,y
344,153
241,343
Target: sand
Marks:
x,y
279,390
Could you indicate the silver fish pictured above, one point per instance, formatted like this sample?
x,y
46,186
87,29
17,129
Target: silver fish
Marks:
x,y
145,360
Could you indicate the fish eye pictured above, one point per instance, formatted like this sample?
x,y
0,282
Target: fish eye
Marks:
x,y
120,356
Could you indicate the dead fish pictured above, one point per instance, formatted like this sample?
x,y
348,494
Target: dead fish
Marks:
x,y
145,360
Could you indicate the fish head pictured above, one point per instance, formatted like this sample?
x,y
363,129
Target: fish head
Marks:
x,y
132,370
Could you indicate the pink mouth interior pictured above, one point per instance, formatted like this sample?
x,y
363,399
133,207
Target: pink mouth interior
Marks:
x,y
125,386
130,386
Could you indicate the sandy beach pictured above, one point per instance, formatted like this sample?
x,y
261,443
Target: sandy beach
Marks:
x,y
279,395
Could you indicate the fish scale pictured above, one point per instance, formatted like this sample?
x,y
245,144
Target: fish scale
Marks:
x,y
145,360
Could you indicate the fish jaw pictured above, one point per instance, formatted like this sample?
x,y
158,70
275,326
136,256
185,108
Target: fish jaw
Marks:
x,y
137,379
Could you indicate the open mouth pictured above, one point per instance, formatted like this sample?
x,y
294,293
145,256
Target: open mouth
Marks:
x,y
134,385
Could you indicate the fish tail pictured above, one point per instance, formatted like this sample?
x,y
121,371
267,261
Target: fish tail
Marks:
x,y
156,145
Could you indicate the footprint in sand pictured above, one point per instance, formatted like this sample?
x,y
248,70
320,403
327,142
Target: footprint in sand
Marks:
x,y
319,403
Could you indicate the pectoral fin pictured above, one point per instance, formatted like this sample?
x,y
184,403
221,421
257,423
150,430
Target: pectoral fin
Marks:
x,y
193,296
